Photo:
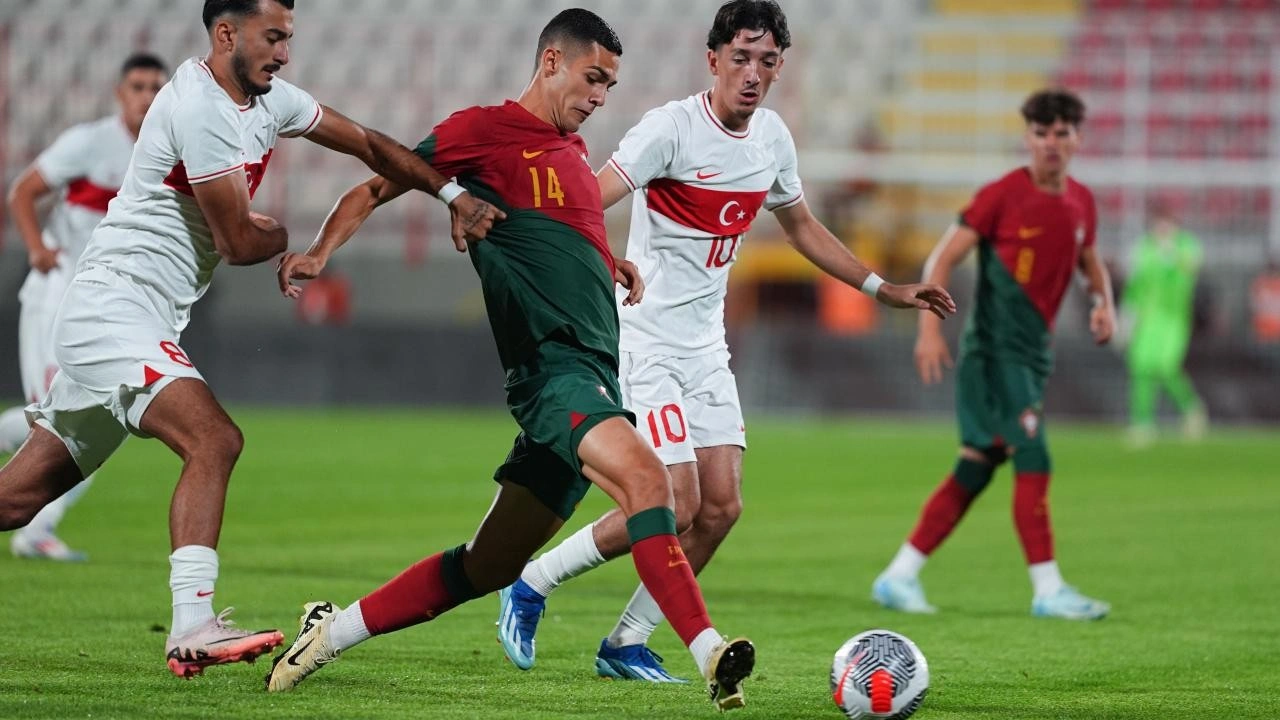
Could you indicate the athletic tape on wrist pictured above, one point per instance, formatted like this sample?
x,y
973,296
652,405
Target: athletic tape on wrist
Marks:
x,y
871,285
450,192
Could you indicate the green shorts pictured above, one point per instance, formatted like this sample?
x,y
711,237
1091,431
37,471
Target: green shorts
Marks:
x,y
556,397
999,403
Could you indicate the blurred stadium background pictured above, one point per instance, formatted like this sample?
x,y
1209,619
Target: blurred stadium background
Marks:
x,y
900,108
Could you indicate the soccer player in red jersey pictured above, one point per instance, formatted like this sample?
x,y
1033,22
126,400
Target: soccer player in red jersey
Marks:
x,y
1033,228
548,281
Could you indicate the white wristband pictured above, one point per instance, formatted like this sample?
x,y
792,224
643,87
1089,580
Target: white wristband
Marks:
x,y
872,285
450,192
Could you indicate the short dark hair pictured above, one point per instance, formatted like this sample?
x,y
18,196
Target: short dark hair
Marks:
x,y
214,9
579,26
1048,106
738,15
142,61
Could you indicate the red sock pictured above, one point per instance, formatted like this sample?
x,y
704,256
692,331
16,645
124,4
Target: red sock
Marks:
x,y
1031,515
941,514
667,576
414,596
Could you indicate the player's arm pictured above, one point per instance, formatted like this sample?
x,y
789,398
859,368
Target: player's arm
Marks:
x,y
612,189
931,353
352,209
240,236
23,195
471,217
814,241
1102,318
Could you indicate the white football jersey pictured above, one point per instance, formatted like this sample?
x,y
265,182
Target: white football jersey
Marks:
x,y
87,163
699,187
193,133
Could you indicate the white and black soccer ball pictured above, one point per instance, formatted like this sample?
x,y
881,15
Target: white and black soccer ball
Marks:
x,y
879,674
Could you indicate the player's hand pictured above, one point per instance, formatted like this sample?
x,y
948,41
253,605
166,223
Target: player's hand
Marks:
x,y
628,276
296,266
471,219
42,259
931,356
924,296
1102,323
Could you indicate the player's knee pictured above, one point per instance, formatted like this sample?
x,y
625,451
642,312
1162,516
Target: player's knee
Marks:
x,y
647,487
226,442
718,517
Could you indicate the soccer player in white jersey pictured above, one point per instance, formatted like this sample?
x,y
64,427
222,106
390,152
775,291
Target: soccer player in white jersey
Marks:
x,y
701,169
184,208
85,165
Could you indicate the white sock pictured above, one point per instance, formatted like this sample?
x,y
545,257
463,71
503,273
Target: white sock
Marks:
x,y
907,563
45,523
576,555
13,429
348,628
703,645
193,570
638,621
1046,579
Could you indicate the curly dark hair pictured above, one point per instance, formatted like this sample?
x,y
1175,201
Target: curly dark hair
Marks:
x,y
1047,106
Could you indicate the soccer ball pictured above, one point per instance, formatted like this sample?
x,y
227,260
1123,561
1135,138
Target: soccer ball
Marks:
x,y
879,674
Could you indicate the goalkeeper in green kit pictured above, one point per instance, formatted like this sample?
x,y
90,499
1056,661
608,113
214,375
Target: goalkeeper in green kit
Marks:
x,y
1157,303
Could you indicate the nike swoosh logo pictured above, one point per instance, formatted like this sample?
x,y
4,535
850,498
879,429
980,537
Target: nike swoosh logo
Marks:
x,y
294,657
531,155
708,176
203,593
676,563
1026,233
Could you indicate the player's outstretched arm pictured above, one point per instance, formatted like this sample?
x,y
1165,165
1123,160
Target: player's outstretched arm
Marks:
x,y
813,240
23,195
1102,318
352,209
472,217
241,237
931,353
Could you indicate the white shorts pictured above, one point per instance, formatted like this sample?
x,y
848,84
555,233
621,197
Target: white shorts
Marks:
x,y
40,297
683,403
116,345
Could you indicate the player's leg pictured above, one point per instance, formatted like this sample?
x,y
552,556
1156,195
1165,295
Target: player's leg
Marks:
x,y
1025,428
41,296
898,587
39,539
617,459
517,524
1195,421
711,416
184,414
624,653
1178,384
1142,407
650,386
40,471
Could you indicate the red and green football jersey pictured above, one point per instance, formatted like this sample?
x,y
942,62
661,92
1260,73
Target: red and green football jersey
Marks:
x,y
1030,243
546,270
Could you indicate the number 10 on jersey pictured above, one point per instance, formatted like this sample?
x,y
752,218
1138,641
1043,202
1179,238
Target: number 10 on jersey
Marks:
x,y
723,249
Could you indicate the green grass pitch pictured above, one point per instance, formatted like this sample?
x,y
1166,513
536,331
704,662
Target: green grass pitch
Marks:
x,y
1182,539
